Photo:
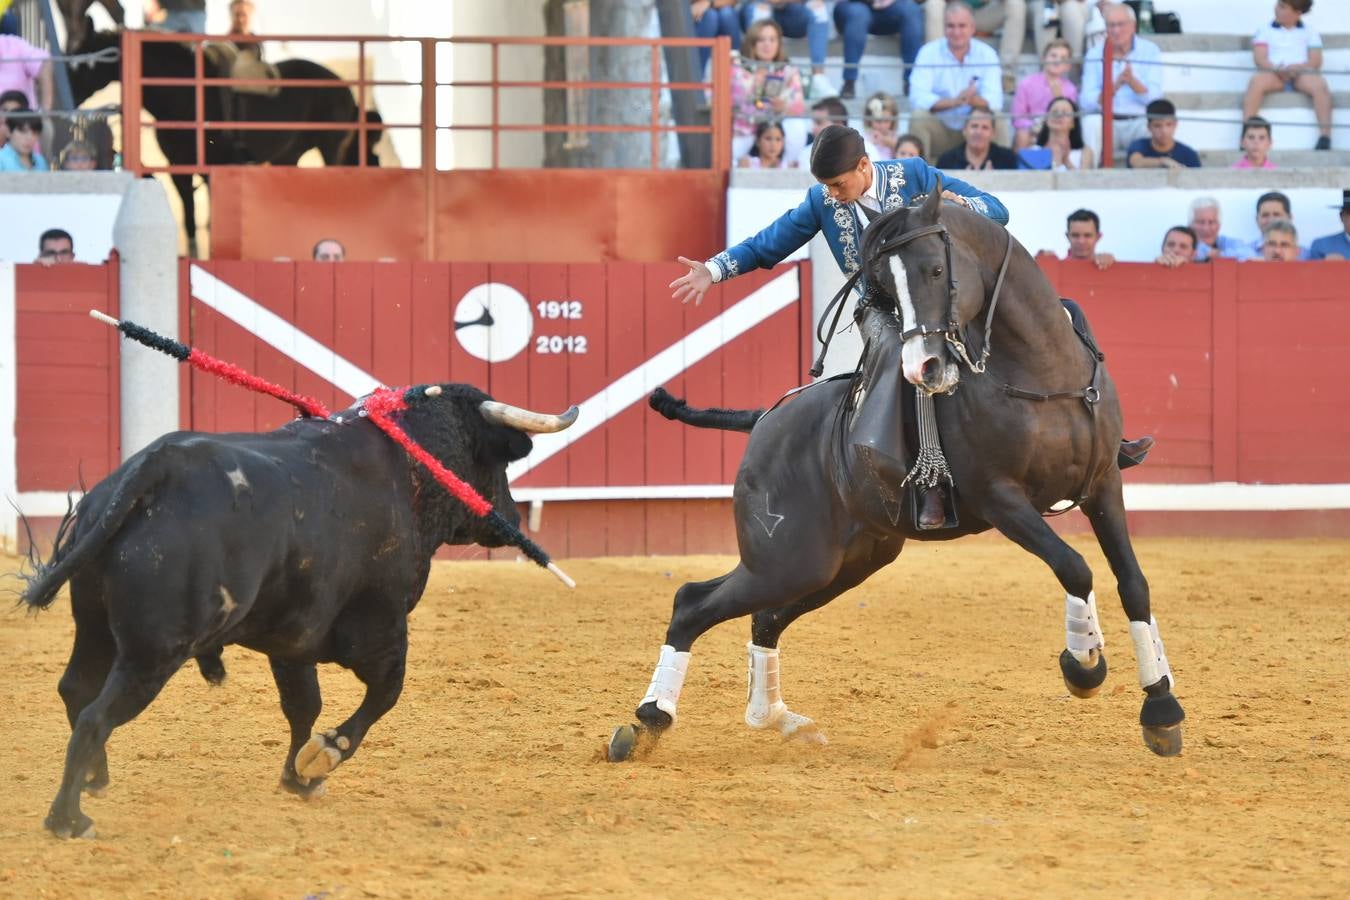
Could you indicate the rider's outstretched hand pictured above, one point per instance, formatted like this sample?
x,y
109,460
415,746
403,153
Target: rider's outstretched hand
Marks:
x,y
693,284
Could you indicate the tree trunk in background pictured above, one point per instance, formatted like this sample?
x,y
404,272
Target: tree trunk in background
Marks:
x,y
617,106
687,107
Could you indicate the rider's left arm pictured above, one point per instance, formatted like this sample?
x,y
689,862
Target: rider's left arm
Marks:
x,y
986,204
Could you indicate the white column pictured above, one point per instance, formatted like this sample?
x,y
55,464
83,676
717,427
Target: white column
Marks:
x,y
9,399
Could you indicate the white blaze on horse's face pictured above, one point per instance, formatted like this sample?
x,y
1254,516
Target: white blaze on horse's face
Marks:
x,y
918,354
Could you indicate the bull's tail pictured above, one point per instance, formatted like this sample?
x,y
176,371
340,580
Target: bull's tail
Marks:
x,y
725,419
83,531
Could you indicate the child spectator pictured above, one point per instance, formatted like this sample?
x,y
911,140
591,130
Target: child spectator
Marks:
x,y
1279,242
830,111
767,152
1255,145
764,86
1209,242
1161,149
907,146
1036,92
856,19
1059,145
881,125
1335,246
1178,247
797,19
711,19
22,153
78,156
1273,206
9,102
978,150
1288,56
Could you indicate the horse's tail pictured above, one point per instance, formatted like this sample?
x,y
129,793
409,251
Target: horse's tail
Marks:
x,y
725,419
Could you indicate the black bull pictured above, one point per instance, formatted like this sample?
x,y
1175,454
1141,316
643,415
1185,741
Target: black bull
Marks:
x,y
1039,425
309,544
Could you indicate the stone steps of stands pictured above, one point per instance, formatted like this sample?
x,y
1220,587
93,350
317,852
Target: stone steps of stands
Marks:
x,y
1284,159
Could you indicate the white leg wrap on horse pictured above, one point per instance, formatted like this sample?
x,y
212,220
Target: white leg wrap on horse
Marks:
x,y
668,680
1148,650
764,706
1082,628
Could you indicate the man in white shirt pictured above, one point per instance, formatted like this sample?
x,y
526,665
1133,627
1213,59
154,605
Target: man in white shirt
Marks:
x,y
952,76
1136,73
1009,17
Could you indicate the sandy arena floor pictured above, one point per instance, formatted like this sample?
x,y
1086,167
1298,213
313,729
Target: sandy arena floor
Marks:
x,y
957,766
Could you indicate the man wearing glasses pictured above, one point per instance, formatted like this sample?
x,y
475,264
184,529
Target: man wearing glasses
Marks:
x,y
55,246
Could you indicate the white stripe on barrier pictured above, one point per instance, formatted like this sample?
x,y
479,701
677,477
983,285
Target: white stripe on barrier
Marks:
x,y
9,402
270,328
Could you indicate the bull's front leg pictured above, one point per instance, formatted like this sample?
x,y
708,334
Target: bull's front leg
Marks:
x,y
382,673
298,685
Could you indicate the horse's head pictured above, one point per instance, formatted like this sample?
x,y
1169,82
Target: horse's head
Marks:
x,y
911,255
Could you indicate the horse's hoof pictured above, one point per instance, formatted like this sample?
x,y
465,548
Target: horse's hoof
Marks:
x,y
653,718
1082,682
97,791
1164,740
310,790
81,826
319,756
622,743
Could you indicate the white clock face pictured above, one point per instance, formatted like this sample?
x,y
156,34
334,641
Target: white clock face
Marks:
x,y
493,322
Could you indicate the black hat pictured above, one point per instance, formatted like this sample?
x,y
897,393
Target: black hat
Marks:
x,y
1345,201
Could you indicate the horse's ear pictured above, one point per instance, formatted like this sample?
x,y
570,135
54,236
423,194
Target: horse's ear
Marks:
x,y
932,207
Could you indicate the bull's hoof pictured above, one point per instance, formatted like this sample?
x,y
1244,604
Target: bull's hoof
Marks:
x,y
622,743
309,789
1164,740
653,718
1081,681
64,827
320,755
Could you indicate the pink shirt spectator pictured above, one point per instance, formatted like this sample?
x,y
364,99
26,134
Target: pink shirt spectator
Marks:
x,y
20,63
1033,98
748,108
1246,163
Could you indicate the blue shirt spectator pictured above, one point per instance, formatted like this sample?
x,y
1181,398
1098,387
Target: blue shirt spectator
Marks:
x,y
1183,154
939,75
1225,246
1335,245
1133,90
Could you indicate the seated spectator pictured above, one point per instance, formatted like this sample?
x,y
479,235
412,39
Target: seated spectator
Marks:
x,y
1335,246
953,77
1008,17
1178,247
767,151
9,102
78,156
764,86
1069,17
714,18
1209,242
329,250
881,120
907,146
187,16
1036,92
1136,72
1084,233
26,69
22,152
1272,206
1059,145
797,19
1288,56
830,111
1279,242
1161,149
55,247
978,150
1255,145
856,19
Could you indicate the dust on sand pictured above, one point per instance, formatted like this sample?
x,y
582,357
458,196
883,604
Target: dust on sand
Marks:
x,y
957,765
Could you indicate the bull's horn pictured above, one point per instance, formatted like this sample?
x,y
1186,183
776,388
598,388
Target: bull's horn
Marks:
x,y
524,419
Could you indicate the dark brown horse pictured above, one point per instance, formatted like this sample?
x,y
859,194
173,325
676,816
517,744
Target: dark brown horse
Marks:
x,y
1033,420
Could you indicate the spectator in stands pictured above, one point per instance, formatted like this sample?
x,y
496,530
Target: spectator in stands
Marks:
x,y
26,69
1335,246
1279,242
1137,75
1036,92
1178,247
713,18
1008,17
881,119
329,250
1161,149
797,19
1069,17
188,16
764,86
978,150
1272,206
1059,145
1209,242
22,153
829,111
856,19
55,247
78,156
1288,56
1084,233
1255,145
907,146
9,102
952,77
767,151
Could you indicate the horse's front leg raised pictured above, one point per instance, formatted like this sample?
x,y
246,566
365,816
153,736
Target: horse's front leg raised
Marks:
x,y
1161,715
